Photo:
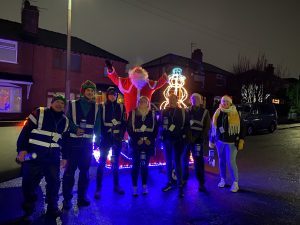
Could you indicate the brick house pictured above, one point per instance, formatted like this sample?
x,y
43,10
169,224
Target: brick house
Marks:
x,y
33,64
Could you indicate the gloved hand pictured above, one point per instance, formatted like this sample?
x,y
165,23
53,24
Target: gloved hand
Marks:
x,y
211,145
109,65
241,144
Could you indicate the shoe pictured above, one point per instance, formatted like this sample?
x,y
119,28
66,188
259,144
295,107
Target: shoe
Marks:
x,y
83,202
145,189
168,187
134,191
67,204
234,187
180,192
118,190
56,212
97,194
221,184
202,188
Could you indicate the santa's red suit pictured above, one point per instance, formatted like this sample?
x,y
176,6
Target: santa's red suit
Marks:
x,y
136,85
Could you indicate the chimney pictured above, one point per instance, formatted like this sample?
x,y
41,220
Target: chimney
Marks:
x,y
270,69
30,19
197,55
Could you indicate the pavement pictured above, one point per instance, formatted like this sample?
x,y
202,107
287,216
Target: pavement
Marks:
x,y
269,193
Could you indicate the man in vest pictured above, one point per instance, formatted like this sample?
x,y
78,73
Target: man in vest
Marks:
x,y
112,132
197,133
40,140
82,115
175,125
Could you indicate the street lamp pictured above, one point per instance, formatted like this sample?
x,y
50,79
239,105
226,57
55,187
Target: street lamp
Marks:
x,y
67,75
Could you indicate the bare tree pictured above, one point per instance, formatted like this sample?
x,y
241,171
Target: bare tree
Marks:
x,y
252,93
242,65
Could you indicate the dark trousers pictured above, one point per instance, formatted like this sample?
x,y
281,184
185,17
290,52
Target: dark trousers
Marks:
x,y
197,153
116,149
140,160
32,173
80,157
174,150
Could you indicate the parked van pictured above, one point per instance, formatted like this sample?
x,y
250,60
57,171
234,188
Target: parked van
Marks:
x,y
258,116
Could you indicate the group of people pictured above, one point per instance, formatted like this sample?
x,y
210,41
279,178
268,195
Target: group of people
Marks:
x,y
49,132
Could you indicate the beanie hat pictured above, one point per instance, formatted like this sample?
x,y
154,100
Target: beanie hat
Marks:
x,y
111,91
58,97
87,84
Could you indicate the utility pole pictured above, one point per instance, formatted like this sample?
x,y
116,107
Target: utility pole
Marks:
x,y
67,75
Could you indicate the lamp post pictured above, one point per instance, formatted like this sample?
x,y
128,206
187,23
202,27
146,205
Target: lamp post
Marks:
x,y
67,75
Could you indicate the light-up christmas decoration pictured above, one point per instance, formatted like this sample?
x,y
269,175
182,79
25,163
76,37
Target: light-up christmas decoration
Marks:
x,y
176,86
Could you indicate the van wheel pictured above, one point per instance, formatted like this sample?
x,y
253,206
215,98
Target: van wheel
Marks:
x,y
272,128
249,130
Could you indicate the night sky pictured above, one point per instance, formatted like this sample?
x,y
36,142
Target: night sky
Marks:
x,y
142,30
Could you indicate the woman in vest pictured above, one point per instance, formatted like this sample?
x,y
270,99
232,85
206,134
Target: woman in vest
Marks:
x,y
40,140
198,131
227,135
113,126
142,129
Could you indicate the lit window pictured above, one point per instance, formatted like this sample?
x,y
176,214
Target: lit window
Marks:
x,y
10,98
8,51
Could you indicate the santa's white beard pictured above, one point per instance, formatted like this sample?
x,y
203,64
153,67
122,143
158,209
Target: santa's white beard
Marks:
x,y
139,83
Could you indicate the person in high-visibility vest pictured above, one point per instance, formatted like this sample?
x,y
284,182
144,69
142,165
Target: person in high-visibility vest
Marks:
x,y
113,127
199,126
79,147
142,129
175,124
39,149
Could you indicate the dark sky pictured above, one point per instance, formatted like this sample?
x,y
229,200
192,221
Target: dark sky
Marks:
x,y
141,30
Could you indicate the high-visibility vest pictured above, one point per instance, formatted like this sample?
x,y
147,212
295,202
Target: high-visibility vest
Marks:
x,y
90,120
197,122
139,130
44,136
110,124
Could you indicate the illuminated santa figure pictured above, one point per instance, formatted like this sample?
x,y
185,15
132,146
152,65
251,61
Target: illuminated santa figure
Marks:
x,y
136,85
176,86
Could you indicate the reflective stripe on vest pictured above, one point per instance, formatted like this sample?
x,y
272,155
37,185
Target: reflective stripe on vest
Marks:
x,y
103,116
39,131
200,123
33,119
147,129
89,126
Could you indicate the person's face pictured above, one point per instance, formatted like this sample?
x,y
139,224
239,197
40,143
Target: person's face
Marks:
x,y
89,93
225,103
195,101
143,103
173,100
112,97
58,105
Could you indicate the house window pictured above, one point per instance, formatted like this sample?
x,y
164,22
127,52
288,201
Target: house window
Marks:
x,y
220,80
200,80
10,98
105,72
60,61
8,51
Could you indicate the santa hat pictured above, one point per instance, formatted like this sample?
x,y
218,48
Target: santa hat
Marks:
x,y
87,84
197,95
136,71
58,97
226,98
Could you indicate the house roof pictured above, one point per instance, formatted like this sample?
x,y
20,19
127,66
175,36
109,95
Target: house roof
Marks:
x,y
16,77
184,61
13,31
